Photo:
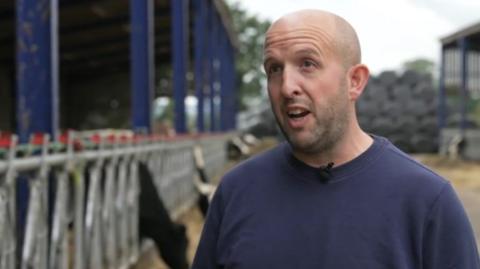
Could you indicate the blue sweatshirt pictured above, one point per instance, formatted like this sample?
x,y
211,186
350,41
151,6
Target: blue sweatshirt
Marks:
x,y
380,210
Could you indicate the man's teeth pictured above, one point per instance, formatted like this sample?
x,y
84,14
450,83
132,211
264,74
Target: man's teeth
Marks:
x,y
297,113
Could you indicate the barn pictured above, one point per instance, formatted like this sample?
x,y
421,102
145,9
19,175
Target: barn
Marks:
x,y
459,94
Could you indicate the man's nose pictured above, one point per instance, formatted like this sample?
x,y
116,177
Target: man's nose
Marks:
x,y
290,86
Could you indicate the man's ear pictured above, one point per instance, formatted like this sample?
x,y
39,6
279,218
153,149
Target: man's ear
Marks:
x,y
357,77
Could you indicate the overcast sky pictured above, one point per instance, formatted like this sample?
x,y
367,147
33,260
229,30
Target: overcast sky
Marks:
x,y
390,31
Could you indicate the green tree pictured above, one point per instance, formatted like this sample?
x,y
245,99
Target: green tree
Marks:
x,y
251,33
420,65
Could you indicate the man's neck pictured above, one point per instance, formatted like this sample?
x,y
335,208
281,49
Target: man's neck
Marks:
x,y
350,146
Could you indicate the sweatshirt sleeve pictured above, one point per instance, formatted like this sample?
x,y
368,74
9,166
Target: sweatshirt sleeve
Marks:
x,y
206,254
449,241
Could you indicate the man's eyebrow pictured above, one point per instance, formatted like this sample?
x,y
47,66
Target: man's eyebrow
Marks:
x,y
267,58
308,51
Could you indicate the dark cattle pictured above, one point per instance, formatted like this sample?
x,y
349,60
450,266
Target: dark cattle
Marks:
x,y
203,202
155,223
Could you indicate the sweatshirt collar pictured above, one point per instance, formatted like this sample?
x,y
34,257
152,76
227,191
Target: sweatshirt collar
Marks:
x,y
337,173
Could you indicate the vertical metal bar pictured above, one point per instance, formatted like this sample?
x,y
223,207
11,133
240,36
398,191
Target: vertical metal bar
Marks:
x,y
93,218
213,63
142,62
59,252
233,85
477,73
35,248
133,198
36,77
207,65
55,73
9,231
179,58
79,189
200,29
109,219
121,212
228,95
230,84
442,94
37,67
464,83
223,77
475,89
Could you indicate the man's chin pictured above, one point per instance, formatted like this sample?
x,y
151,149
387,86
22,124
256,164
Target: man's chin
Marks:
x,y
308,144
301,144
300,141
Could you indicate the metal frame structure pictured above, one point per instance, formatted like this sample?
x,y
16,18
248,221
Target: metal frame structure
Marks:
x,y
179,61
200,59
103,210
460,71
460,78
88,38
39,36
37,67
46,243
143,62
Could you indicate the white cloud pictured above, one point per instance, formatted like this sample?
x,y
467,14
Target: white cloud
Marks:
x,y
458,12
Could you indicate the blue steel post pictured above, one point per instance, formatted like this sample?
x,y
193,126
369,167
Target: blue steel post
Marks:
x,y
37,67
142,63
207,65
200,31
37,82
229,86
463,44
442,113
179,60
228,82
230,92
224,90
213,68
233,85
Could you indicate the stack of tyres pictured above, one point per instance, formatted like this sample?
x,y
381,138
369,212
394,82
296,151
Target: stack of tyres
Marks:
x,y
401,108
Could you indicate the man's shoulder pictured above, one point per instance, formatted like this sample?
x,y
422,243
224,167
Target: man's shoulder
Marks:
x,y
258,164
404,160
411,172
269,157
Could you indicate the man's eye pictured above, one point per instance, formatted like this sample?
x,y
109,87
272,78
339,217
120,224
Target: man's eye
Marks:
x,y
308,64
274,69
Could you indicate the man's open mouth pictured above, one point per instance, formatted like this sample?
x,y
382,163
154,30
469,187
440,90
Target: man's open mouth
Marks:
x,y
297,113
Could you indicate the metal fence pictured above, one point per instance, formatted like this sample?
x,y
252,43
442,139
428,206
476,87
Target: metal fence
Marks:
x,y
83,205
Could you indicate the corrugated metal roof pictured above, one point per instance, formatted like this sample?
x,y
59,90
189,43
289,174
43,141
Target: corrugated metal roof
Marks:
x,y
468,31
95,34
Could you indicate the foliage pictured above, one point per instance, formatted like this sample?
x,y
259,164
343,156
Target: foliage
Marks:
x,y
249,59
421,65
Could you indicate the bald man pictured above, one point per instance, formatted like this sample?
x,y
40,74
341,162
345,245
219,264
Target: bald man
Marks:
x,y
332,196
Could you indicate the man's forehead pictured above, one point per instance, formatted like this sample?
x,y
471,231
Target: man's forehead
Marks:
x,y
330,34
293,27
312,39
298,34
304,19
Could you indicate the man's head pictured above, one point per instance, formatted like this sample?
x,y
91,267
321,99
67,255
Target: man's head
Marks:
x,y
312,60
